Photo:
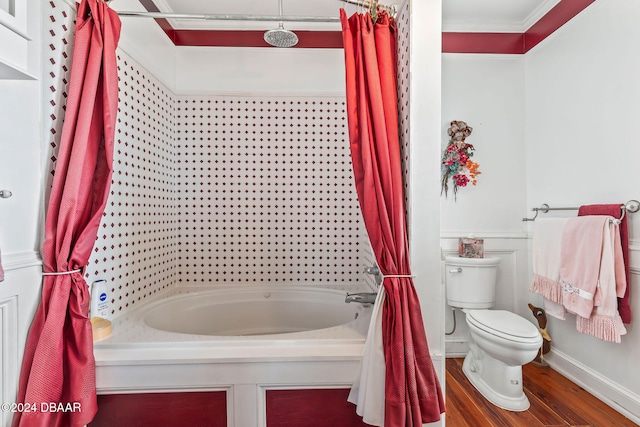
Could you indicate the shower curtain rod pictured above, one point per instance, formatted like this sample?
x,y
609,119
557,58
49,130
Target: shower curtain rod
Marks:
x,y
220,17
391,10
209,17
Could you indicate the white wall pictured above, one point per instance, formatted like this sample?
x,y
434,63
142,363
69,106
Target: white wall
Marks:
x,y
487,92
582,100
582,96
145,41
553,126
223,70
424,218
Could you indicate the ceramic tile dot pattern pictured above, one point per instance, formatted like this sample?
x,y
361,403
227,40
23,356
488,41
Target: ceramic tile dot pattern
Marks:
x,y
265,192
222,190
403,62
135,248
57,30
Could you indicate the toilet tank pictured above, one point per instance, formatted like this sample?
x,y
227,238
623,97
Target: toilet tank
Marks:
x,y
471,282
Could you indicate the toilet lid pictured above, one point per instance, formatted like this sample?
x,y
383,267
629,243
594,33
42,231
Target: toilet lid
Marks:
x,y
503,324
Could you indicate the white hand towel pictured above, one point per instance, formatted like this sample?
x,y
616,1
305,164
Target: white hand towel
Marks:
x,y
547,243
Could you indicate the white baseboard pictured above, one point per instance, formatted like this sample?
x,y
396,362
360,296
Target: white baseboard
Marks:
x,y
619,398
456,347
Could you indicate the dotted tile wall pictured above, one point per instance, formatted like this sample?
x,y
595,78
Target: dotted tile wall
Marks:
x,y
57,29
135,249
266,192
403,62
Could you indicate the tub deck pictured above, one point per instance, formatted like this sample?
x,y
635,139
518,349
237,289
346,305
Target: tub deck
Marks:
x,y
139,359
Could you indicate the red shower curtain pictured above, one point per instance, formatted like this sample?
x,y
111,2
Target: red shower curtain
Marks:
x,y
58,365
412,391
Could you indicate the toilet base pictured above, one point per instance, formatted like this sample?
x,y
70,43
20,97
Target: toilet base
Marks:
x,y
498,382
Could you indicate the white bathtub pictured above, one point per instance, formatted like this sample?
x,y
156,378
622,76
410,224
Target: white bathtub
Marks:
x,y
240,340
251,311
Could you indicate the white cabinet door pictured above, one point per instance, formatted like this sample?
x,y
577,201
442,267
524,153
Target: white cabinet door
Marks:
x,y
14,41
13,15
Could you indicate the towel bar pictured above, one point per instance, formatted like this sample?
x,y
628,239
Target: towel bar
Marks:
x,y
631,206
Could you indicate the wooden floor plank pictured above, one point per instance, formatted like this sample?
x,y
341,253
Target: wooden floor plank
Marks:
x,y
461,411
563,397
591,408
555,402
525,419
541,411
491,414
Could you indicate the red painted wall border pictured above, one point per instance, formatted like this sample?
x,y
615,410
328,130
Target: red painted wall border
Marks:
x,y
562,13
253,38
514,43
509,43
452,42
236,38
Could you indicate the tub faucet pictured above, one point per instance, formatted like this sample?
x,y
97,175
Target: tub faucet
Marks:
x,y
372,270
376,273
361,297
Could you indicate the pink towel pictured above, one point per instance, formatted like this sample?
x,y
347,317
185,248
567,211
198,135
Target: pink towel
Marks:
x,y
624,308
580,256
592,275
1,270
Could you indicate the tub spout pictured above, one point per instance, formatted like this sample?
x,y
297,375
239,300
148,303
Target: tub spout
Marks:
x,y
361,297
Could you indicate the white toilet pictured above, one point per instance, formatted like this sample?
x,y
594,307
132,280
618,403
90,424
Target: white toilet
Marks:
x,y
500,342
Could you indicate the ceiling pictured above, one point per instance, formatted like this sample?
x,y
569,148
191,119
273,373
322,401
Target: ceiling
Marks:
x,y
458,15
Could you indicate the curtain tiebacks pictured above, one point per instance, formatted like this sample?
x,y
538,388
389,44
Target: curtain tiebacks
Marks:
x,y
60,273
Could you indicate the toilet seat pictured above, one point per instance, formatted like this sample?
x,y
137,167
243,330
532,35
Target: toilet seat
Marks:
x,y
504,324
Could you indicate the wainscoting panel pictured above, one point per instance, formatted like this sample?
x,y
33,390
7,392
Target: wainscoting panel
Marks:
x,y
19,296
8,351
311,408
196,408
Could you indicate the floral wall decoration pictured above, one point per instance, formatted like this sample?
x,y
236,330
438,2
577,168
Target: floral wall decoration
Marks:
x,y
457,165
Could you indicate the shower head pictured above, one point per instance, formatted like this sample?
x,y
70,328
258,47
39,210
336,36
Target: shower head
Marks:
x,y
280,37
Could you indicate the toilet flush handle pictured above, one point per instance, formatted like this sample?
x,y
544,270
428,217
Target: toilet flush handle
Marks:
x,y
456,270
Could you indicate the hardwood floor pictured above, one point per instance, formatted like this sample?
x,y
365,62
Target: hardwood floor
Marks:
x,y
555,401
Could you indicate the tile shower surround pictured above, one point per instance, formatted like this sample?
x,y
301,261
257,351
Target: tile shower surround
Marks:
x,y
227,190
136,248
224,190
403,81
276,173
